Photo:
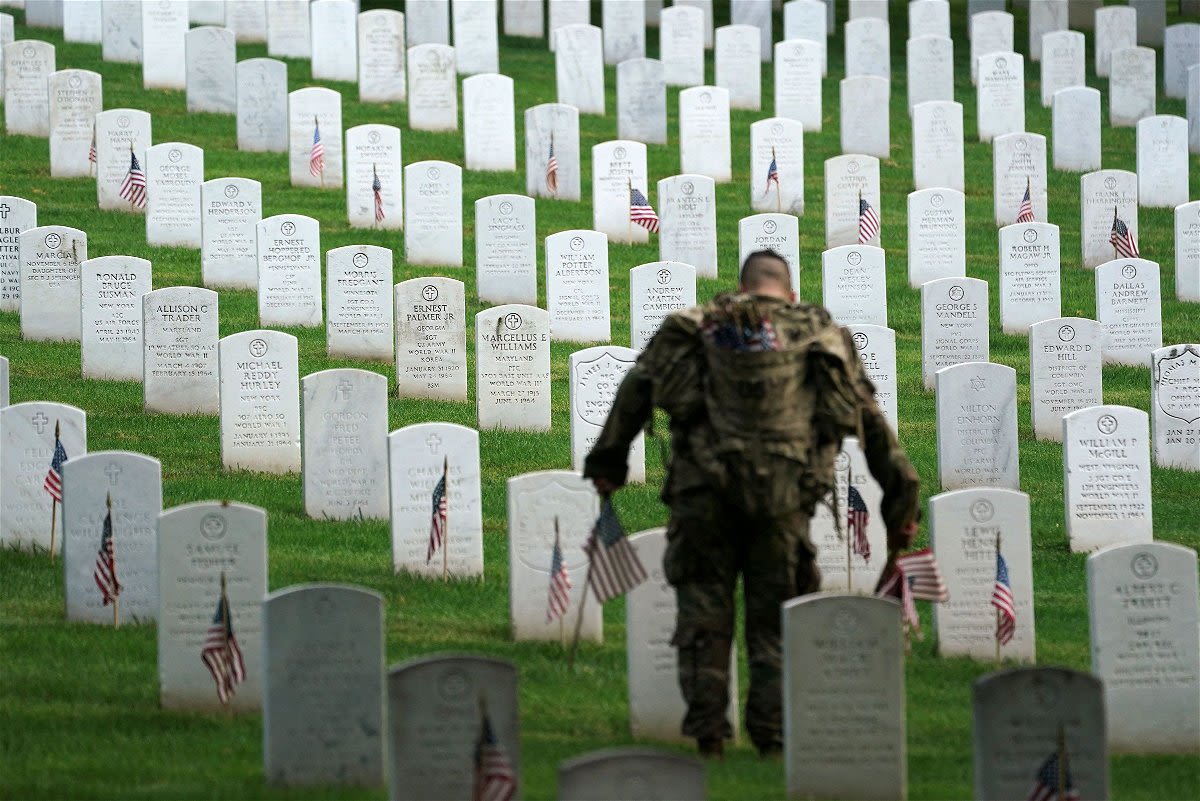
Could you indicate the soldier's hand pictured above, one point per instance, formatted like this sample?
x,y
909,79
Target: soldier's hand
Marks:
x,y
604,486
900,539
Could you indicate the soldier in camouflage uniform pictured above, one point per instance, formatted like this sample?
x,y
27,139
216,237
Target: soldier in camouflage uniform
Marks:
x,y
760,391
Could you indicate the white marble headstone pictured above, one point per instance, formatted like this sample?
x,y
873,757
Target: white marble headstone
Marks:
x,y
433,230
847,179
247,19
17,215
738,65
937,235
1030,282
289,29
930,66
431,358
642,101
506,249
116,130
230,210
1076,126
50,259
704,138
260,402
977,426
1101,194
876,346
798,89
771,231
1106,477
1000,95
1187,251
28,64
990,32
111,290
211,70
594,375
334,40
164,25
81,22
311,110
179,361
523,18
1019,163
755,14
1064,372
681,46
624,26
1162,161
552,126
656,290
687,213
1181,49
854,283
381,57
76,97
358,294
579,67
1063,63
512,367
121,36
868,47
1175,406
476,38
373,152
1129,310
28,432
428,21
937,145
289,271
927,18
618,167
1116,28
577,287
489,137
262,109
865,121
174,173
1131,86
1045,17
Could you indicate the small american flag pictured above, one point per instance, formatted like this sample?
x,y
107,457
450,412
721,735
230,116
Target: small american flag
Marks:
x,y
440,513
377,189
1122,239
105,572
641,212
1025,212
552,171
560,582
133,188
772,172
615,568
913,576
899,586
221,654
868,221
316,158
1002,599
53,482
92,149
857,519
494,776
1045,786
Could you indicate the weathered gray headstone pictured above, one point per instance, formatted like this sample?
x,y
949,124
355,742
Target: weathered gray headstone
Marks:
x,y
262,110
29,432
512,367
323,693
125,488
704,139
506,249
489,136
1175,406
121,135
1116,28
624,26
289,29
849,179
552,129
1000,95
418,456
937,228
50,259
179,362
687,214
1151,21
1101,195
260,402
434,722
977,426
1064,372
28,64
16,215
969,530
1131,86
373,155
594,376
829,713
577,295
431,358
854,283
1019,163
289,271
868,47
656,290
174,173
358,293
111,289
642,101
798,82
635,774
536,503
579,67
1143,623
313,110
1162,161
212,70
334,40
75,99
1030,282
433,230
1129,310
1018,715
381,56
164,24
344,444
1106,477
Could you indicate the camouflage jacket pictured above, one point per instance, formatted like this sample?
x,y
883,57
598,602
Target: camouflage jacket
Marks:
x,y
759,392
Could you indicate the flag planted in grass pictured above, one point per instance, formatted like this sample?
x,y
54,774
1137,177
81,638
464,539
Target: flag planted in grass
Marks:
x,y
1122,239
911,577
858,517
316,157
133,188
221,654
560,582
614,568
1002,599
494,776
641,212
105,572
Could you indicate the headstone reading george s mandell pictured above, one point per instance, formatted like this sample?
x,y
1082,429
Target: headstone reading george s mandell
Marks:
x,y
418,457
1030,282
179,360
1106,477
431,358
546,507
344,444
1175,406
704,138
358,294
381,57
1064,372
656,290
50,259
937,226
16,216
506,249
854,282
260,402
687,228
211,69
373,160
262,111
119,494
230,210
75,99
489,137
577,295
579,67
512,367
552,167
977,426
111,290
433,233
31,517
289,271
323,690
198,544
594,376
1129,310
315,137
1143,624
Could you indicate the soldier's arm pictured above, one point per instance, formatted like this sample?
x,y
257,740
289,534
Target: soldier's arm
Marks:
x,y
888,462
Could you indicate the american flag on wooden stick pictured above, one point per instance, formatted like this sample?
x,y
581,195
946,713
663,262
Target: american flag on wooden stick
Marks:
x,y
133,188
1025,212
615,568
552,170
316,158
1046,784
495,779
53,482
1122,239
105,572
772,171
641,212
559,595
92,149
377,190
868,221
221,654
857,519
910,577
440,513
1002,599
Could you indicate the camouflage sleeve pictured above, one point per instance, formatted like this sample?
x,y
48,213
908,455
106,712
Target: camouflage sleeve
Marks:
x,y
886,459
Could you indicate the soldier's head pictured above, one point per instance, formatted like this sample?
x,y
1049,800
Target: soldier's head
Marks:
x,y
764,272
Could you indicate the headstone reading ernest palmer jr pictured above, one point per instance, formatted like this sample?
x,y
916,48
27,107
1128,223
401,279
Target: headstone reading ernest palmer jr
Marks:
x,y
430,325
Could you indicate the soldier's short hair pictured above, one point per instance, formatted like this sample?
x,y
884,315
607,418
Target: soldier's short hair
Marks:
x,y
765,267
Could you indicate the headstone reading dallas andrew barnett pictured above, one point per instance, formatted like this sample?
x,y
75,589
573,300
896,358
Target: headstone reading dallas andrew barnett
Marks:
x,y
538,503
111,289
418,457
431,345
260,402
1129,310
512,367
323,693
1142,609
198,544
359,296
1106,477
179,325
117,493
344,444
830,710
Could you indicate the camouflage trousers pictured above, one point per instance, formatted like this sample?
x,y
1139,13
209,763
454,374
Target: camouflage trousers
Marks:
x,y
710,542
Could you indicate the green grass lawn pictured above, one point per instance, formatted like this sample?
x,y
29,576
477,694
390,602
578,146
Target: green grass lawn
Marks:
x,y
79,713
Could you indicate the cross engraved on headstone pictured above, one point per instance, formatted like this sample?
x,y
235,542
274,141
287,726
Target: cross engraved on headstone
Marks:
x,y
113,471
434,442
39,422
344,389
4,210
